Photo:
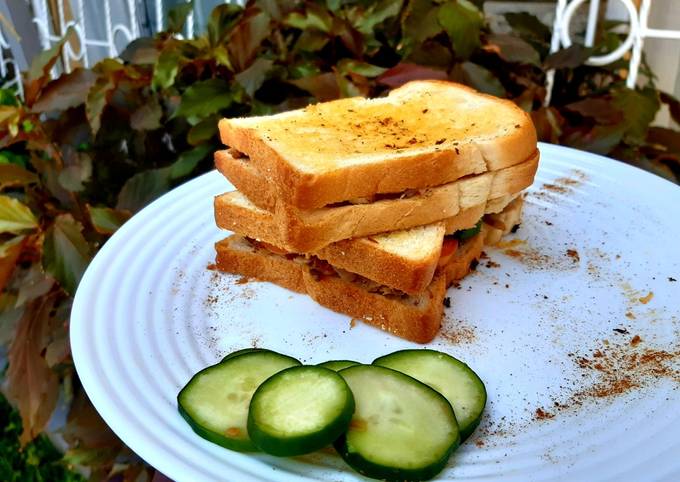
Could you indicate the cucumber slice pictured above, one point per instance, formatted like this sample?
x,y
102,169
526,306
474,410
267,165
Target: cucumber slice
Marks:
x,y
401,430
243,351
215,401
300,410
451,377
337,365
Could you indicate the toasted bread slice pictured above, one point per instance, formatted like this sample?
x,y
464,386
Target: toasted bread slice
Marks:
x,y
500,223
413,317
422,134
405,260
309,230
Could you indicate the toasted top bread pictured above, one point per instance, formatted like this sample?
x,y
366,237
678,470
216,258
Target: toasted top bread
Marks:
x,y
425,133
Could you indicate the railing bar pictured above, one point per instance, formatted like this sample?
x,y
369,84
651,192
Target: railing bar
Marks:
x,y
664,34
62,31
159,15
591,27
81,19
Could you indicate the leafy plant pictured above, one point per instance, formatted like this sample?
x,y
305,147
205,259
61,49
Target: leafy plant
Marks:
x,y
39,461
81,153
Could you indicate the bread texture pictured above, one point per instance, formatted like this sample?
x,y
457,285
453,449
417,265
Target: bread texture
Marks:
x,y
413,317
405,260
499,224
305,231
423,134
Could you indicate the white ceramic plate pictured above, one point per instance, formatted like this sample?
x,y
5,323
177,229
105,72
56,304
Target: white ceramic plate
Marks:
x,y
148,314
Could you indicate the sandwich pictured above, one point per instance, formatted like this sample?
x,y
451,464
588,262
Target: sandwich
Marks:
x,y
372,207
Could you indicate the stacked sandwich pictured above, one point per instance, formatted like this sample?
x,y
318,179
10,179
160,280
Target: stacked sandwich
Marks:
x,y
374,207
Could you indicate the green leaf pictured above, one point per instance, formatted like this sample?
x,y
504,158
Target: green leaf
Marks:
x,y
513,49
528,25
76,171
90,456
221,55
7,246
252,78
312,40
45,60
69,90
188,160
313,17
147,116
303,69
15,216
141,51
166,68
463,22
346,66
203,131
221,22
142,188
568,58
205,98
97,99
640,108
9,157
333,5
66,253
419,22
14,175
177,16
101,92
348,88
106,220
7,97
377,13
10,117
478,77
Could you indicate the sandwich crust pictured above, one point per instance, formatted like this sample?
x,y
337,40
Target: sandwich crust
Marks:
x,y
310,230
413,317
422,134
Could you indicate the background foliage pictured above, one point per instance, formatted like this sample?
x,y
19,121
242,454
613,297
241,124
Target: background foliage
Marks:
x,y
84,151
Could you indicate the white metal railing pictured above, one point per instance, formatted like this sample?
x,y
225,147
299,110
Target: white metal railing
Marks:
x,y
75,50
638,31
15,80
48,36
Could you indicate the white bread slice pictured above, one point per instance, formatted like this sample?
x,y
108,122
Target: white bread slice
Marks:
x,y
422,134
413,317
305,231
500,223
416,318
405,260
